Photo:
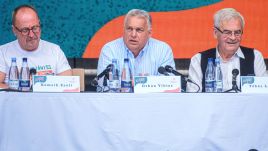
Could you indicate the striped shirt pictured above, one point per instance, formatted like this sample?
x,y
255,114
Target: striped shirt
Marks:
x,y
154,54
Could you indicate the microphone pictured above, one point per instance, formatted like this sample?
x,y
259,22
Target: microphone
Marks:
x,y
163,71
169,69
235,72
184,79
32,71
94,82
176,73
105,71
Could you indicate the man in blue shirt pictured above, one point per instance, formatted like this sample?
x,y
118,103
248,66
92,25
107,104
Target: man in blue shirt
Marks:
x,y
146,54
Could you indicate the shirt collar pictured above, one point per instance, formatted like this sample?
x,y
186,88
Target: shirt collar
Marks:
x,y
145,48
28,52
238,53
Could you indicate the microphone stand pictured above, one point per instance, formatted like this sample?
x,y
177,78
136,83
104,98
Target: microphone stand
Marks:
x,y
234,87
105,87
184,81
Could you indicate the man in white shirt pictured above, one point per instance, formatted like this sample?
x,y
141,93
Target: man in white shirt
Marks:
x,y
47,58
228,30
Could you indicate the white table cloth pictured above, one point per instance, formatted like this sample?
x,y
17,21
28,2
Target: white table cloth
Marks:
x,y
133,122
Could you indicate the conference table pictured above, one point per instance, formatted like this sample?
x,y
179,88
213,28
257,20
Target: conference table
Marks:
x,y
133,122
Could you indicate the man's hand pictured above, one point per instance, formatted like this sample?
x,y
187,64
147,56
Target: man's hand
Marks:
x,y
2,79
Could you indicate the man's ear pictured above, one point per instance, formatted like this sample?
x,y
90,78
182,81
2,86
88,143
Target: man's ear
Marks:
x,y
14,31
150,32
215,33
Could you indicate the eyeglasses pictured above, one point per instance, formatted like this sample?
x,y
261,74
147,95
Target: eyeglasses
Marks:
x,y
229,33
25,31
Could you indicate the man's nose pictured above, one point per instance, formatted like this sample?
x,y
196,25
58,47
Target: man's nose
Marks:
x,y
233,37
31,33
133,33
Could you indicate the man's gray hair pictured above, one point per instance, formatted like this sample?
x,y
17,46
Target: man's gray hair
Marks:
x,y
139,13
225,15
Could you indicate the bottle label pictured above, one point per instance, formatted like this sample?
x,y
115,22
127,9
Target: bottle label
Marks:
x,y
209,85
24,83
114,85
13,84
218,86
126,86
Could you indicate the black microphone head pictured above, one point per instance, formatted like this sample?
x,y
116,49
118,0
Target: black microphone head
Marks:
x,y
168,68
105,71
162,70
109,66
32,71
235,72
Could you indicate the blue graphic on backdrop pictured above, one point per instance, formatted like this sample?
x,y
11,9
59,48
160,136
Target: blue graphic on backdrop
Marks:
x,y
71,24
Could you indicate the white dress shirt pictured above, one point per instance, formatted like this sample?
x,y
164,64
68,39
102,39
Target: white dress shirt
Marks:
x,y
195,71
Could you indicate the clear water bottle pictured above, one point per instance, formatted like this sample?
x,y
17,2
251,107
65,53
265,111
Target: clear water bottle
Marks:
x,y
218,86
210,76
114,77
13,75
126,78
24,81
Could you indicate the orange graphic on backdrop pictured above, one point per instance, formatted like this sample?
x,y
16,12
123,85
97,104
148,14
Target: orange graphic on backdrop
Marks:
x,y
191,31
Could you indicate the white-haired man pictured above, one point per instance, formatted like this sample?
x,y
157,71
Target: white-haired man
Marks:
x,y
228,30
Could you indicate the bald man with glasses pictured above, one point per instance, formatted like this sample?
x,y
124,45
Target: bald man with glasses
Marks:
x,y
228,30
47,58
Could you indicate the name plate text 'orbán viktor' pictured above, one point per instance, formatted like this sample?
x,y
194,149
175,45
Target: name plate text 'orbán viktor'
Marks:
x,y
149,84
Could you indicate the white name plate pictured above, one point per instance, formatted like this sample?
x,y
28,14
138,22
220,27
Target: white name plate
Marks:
x,y
148,84
251,84
56,84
